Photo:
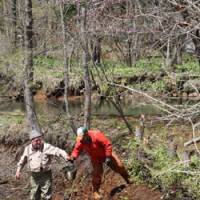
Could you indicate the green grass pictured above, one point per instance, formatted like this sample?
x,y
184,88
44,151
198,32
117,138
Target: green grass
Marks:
x,y
141,66
157,86
49,70
189,66
47,62
12,118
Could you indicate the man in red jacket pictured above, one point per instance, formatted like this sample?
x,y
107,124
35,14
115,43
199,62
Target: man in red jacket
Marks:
x,y
99,148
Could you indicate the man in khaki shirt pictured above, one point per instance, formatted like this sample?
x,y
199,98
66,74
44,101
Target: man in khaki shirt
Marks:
x,y
38,156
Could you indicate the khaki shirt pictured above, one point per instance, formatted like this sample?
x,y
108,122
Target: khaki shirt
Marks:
x,y
40,160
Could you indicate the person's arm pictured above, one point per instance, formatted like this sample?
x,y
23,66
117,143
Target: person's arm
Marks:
x,y
105,142
78,148
22,162
55,151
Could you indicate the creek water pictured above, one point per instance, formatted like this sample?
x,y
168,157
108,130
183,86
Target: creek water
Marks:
x,y
76,106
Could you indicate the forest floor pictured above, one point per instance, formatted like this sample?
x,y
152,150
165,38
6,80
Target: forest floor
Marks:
x,y
113,187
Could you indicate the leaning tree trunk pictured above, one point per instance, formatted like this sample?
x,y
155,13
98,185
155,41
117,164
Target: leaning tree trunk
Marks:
x,y
85,60
66,70
28,77
115,101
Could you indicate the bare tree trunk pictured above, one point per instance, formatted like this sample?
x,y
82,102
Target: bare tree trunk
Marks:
x,y
85,60
20,12
186,156
66,71
172,147
174,53
28,79
129,53
44,45
5,14
14,23
168,60
196,41
136,47
139,130
96,55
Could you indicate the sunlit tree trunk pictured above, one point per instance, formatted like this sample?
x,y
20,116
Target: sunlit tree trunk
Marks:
x,y
66,70
85,61
14,24
174,53
5,21
28,77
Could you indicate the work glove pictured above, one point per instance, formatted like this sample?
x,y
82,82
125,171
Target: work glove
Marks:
x,y
71,159
108,161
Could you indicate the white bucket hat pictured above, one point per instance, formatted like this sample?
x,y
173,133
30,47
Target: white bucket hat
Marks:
x,y
34,134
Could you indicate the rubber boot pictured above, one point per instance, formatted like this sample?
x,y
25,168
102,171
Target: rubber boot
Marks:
x,y
129,181
126,177
96,195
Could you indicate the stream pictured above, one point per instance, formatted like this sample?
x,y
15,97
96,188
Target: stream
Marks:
x,y
130,108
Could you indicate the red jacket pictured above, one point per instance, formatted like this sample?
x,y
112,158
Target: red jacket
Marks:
x,y
98,150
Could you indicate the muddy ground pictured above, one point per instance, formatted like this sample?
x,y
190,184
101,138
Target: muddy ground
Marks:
x,y
113,186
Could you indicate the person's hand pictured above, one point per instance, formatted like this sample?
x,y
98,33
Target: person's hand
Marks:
x,y
71,158
68,157
108,161
18,174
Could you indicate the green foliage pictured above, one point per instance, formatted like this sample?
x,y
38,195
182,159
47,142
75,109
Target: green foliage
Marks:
x,y
141,66
189,65
19,120
13,118
152,64
157,86
147,65
138,170
46,61
161,157
165,172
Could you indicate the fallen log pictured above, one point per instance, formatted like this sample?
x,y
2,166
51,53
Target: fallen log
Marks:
x,y
192,141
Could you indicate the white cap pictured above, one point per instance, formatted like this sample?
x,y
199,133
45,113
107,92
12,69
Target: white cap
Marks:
x,y
81,131
35,134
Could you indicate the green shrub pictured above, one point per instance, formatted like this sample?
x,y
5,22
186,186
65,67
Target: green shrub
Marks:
x,y
165,172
